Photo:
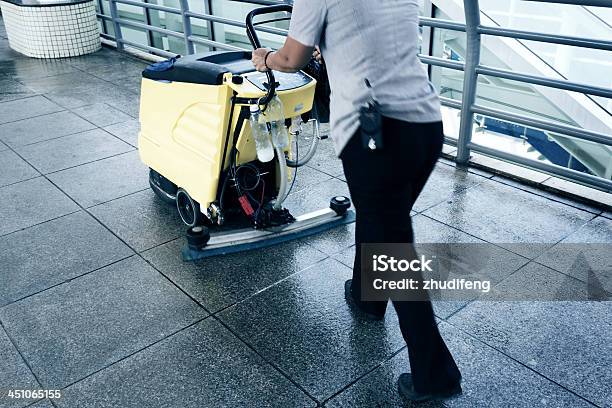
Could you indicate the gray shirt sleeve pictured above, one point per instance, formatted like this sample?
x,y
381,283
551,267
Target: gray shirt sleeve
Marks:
x,y
307,21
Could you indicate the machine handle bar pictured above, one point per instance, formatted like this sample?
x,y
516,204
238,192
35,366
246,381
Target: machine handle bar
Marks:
x,y
252,34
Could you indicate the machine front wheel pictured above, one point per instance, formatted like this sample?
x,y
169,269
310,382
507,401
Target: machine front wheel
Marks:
x,y
188,209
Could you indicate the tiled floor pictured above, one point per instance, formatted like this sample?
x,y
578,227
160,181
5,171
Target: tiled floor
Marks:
x,y
95,299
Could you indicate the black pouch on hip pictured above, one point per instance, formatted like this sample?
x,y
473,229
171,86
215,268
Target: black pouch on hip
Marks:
x,y
370,120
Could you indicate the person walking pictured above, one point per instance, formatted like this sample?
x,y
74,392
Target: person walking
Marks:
x,y
370,52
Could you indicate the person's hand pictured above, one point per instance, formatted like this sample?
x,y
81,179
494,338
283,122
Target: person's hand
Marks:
x,y
317,54
258,59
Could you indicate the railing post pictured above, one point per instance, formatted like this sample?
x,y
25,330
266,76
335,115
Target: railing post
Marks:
x,y
116,26
470,79
211,25
101,10
189,48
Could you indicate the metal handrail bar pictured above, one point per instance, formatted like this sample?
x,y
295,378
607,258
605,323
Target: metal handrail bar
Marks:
x,y
581,42
441,23
150,6
235,23
555,127
549,168
442,62
212,43
548,82
143,26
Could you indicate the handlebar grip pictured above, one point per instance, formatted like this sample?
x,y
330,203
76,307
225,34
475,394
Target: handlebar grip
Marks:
x,y
252,34
258,11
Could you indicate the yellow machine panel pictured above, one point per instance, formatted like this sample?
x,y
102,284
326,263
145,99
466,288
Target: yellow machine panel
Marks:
x,y
184,127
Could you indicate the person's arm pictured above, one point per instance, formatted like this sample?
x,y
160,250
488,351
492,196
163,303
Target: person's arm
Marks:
x,y
307,24
289,58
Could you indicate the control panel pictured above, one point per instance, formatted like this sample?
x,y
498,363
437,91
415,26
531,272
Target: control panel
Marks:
x,y
285,80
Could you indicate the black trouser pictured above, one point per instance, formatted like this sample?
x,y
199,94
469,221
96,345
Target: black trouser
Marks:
x,y
384,184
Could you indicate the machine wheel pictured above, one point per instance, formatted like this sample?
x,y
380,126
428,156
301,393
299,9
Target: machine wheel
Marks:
x,y
188,209
197,237
162,187
340,204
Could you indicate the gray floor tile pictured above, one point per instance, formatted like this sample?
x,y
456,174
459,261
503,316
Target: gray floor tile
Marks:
x,y
567,342
97,91
586,254
117,69
326,160
126,101
123,72
101,114
490,379
130,83
70,80
307,177
304,326
221,281
486,211
142,220
73,150
24,68
31,202
7,54
316,197
75,329
535,282
334,241
552,196
607,214
202,366
346,256
126,131
14,374
50,253
11,90
42,128
444,182
427,230
13,169
104,55
103,180
78,89
105,59
27,108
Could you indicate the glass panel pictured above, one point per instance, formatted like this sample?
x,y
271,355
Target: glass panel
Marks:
x,y
565,19
132,13
236,36
169,21
107,24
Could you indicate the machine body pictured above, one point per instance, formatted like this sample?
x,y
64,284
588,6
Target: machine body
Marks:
x,y
196,139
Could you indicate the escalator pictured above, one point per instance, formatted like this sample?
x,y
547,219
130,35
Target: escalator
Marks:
x,y
549,60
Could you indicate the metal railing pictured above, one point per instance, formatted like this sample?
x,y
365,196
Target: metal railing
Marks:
x,y
472,69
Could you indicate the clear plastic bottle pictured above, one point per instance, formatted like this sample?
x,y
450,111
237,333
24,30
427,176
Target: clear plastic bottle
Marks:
x,y
276,115
265,151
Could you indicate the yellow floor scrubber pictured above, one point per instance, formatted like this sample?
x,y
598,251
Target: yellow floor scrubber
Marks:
x,y
197,140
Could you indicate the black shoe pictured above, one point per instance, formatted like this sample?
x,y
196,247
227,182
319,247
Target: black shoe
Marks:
x,y
406,390
354,305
